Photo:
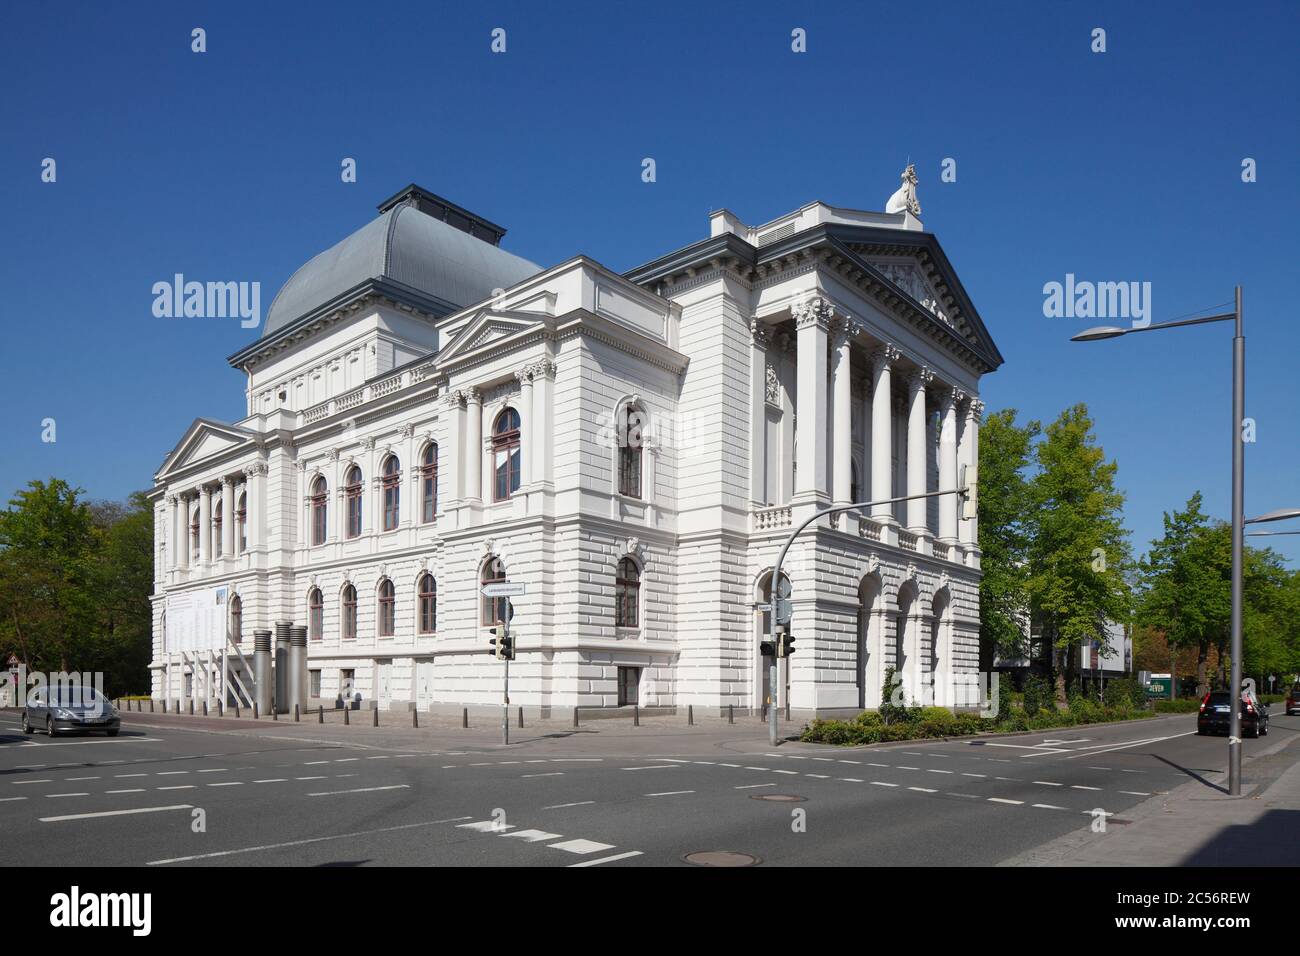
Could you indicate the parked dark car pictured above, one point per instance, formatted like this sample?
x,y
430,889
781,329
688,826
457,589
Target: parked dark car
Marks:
x,y
1215,715
74,708
1293,700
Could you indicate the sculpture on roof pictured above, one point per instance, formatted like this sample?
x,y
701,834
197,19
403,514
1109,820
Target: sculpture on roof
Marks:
x,y
905,197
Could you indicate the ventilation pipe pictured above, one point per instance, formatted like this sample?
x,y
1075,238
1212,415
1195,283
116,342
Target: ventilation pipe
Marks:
x,y
282,629
297,678
262,674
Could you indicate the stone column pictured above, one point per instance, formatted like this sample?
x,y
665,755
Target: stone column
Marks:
x,y
812,319
970,456
255,504
948,465
473,445
338,524
759,480
228,517
842,417
454,481
917,449
543,424
864,478
882,435
410,504
182,528
205,524
527,426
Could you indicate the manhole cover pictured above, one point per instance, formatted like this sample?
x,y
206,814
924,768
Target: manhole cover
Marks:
x,y
778,797
721,858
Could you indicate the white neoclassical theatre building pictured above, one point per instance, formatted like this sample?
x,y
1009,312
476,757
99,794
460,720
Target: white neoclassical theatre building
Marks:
x,y
428,412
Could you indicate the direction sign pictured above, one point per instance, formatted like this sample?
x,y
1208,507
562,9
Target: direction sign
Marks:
x,y
504,589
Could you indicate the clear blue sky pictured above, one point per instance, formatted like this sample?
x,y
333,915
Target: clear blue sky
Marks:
x,y
1116,166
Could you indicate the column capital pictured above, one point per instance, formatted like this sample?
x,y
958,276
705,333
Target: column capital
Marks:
x,y
761,334
885,356
228,481
257,468
950,395
524,376
544,369
453,400
919,379
974,410
473,396
812,311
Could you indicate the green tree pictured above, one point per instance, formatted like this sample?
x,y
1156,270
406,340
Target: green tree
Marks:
x,y
1078,550
1004,533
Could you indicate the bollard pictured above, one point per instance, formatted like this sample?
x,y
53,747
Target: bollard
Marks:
x,y
415,718
221,708
191,706
236,709
787,710
205,707
255,711
151,705
320,713
164,703
346,721
636,715
464,717
275,712
521,716
575,715
690,715
375,722
731,713
296,717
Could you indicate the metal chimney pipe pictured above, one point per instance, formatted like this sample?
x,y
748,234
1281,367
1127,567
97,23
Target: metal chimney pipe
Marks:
x,y
296,679
262,673
282,629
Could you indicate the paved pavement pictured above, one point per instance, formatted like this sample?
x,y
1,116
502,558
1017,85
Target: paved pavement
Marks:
x,y
179,791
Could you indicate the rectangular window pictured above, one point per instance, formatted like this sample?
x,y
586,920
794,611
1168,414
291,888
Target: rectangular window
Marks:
x,y
313,683
629,680
629,471
354,511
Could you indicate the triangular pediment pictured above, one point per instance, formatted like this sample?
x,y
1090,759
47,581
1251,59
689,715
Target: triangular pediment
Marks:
x,y
907,276
204,439
488,328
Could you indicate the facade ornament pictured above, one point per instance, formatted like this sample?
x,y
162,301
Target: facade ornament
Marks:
x,y
884,356
904,199
633,547
910,574
761,332
543,369
772,386
524,374
812,311
334,454
975,410
919,380
408,429
873,563
368,443
473,396
944,580
953,396
452,400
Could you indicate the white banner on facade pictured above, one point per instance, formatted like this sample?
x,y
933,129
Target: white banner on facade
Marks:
x,y
196,620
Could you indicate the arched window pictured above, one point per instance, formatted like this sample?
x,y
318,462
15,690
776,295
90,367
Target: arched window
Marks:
x,y
631,425
506,449
428,591
855,488
429,483
392,487
194,534
236,619
387,608
349,613
315,614
216,530
352,492
319,509
627,594
494,609
241,523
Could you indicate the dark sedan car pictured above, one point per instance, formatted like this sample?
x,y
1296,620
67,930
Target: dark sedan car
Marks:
x,y
1293,700
75,708
1216,712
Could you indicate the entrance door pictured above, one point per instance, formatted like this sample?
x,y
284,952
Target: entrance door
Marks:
x,y
424,681
384,684
629,681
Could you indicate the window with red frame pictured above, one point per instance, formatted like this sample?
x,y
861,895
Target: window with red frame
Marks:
x,y
494,609
428,604
387,608
429,483
391,483
319,510
315,614
352,495
349,613
507,448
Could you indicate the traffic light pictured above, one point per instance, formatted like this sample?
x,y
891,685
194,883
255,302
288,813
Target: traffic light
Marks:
x,y
503,644
784,641
767,648
968,497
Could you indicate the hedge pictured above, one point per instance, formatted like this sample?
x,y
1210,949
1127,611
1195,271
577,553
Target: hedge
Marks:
x,y
929,722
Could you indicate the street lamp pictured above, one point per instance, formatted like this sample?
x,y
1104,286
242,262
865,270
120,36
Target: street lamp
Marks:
x,y
1238,481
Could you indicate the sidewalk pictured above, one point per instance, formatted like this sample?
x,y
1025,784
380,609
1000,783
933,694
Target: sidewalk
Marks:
x,y
1197,824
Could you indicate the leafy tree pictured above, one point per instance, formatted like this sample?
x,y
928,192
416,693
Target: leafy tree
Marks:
x,y
1004,533
1078,549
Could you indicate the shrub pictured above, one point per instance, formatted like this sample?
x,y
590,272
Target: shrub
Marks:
x,y
1037,695
1006,705
869,718
891,688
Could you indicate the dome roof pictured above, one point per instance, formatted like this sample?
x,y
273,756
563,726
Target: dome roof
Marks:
x,y
405,245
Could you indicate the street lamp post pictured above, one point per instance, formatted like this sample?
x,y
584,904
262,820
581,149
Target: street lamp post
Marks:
x,y
1238,480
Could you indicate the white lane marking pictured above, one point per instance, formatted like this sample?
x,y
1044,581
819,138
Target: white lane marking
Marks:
x,y
1037,749
114,813
1136,793
581,846
273,780
662,766
747,786
72,794
80,743
215,770
818,776
182,786
346,759
312,763
19,783
123,776
932,770
171,773
228,783
674,760
825,759
1048,783
970,796
332,793
1048,806
791,772
733,766
310,778
706,763
923,789
1098,768
553,773
71,779
881,783
669,793
877,765
858,762
385,757
561,806
280,846
851,779
138,790
607,859
533,836
965,774
1077,786
487,826
1136,743
1004,800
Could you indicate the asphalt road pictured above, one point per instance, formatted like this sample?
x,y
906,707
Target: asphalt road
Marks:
x,y
168,794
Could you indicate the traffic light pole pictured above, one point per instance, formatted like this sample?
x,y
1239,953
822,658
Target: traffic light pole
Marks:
x,y
776,578
505,697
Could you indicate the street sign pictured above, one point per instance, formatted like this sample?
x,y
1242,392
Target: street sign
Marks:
x,y
764,608
783,610
505,589
13,660
1160,687
783,587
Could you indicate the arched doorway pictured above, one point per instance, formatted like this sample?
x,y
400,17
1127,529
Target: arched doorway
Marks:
x,y
871,644
907,641
940,681
762,629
